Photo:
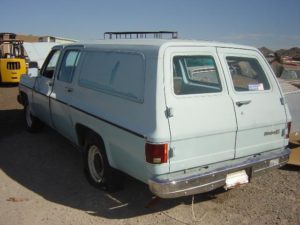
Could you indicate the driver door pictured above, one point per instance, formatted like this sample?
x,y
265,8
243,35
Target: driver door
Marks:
x,y
43,87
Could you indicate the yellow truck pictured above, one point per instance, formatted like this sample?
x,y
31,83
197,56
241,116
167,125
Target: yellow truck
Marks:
x,y
12,61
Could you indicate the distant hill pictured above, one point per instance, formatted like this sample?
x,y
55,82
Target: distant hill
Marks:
x,y
265,51
292,52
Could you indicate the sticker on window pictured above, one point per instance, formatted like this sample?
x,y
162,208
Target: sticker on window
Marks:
x,y
256,87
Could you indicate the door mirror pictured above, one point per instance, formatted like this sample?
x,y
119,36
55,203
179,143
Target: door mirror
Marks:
x,y
33,72
33,64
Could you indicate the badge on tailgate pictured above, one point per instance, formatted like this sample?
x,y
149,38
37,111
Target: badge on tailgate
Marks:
x,y
272,132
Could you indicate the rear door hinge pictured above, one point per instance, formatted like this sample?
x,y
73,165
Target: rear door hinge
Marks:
x,y
282,101
169,112
171,152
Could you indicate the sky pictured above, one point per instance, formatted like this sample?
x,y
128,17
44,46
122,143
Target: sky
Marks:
x,y
271,23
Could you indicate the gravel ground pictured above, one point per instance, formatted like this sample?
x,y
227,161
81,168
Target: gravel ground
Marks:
x,y
41,182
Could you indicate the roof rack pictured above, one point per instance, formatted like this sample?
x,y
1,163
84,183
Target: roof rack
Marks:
x,y
140,34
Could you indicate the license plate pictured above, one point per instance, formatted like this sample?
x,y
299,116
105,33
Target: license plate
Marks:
x,y
236,179
274,162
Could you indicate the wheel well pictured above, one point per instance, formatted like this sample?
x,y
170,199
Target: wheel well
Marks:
x,y
23,98
83,131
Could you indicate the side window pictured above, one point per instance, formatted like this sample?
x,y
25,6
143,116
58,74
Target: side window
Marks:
x,y
247,74
68,66
50,64
116,73
195,75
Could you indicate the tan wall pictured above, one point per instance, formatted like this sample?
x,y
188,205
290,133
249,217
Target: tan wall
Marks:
x,y
28,38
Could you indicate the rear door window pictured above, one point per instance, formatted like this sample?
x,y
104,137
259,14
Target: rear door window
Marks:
x,y
247,74
195,75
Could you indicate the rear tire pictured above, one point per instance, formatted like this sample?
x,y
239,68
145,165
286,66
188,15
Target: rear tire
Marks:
x,y
32,123
97,169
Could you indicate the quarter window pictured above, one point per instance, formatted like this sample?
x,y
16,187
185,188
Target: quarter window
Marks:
x,y
117,73
68,66
195,75
247,74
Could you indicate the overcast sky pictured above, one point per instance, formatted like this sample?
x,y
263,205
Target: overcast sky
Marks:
x,y
271,23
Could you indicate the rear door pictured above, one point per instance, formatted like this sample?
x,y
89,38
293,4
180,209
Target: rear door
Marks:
x,y
260,115
200,111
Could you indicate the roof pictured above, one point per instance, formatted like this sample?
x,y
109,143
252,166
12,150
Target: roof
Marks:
x,y
158,43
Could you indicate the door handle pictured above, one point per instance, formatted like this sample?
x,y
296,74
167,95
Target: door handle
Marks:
x,y
69,89
50,83
240,103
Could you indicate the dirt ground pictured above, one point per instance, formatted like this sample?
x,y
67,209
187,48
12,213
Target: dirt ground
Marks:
x,y
42,182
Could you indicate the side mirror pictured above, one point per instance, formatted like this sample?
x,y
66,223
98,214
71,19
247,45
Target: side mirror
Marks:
x,y
33,72
33,64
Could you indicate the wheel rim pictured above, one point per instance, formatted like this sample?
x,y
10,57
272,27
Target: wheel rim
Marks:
x,y
95,163
28,116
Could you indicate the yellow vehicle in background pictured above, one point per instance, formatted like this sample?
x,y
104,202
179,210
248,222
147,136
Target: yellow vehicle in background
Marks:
x,y
12,61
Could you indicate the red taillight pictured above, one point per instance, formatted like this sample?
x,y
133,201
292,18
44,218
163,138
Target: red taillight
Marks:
x,y
288,127
156,153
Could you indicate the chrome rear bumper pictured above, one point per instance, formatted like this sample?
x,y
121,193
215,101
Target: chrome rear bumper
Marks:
x,y
214,176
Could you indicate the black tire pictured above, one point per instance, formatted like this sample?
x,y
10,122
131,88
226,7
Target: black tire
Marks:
x,y
96,166
32,123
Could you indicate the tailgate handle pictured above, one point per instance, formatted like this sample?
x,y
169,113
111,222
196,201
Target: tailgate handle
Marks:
x,y
240,103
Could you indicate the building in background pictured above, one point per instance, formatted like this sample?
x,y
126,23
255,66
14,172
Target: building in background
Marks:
x,y
58,40
27,38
